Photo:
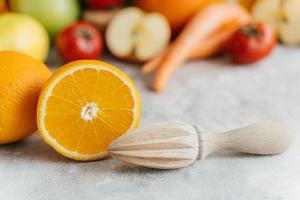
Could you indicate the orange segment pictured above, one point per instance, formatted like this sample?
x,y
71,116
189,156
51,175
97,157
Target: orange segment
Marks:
x,y
84,106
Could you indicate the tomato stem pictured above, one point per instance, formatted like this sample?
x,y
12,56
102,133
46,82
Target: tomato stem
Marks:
x,y
249,31
86,34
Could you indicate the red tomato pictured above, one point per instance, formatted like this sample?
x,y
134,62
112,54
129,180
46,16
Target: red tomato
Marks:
x,y
103,4
251,43
79,40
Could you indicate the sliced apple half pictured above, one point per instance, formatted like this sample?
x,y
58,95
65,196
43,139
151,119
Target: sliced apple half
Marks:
x,y
133,34
290,30
282,15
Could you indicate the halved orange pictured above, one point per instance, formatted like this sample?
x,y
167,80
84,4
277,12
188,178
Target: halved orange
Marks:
x,y
84,106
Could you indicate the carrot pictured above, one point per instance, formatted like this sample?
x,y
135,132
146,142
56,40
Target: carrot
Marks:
x,y
214,43
153,63
205,23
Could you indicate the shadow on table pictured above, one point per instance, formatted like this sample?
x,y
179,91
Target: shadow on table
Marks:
x,y
231,154
124,168
32,148
128,169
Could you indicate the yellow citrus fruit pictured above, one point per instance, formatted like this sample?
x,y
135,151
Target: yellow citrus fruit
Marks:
x,y
84,106
21,80
24,34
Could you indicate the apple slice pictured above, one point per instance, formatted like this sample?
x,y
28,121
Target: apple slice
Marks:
x,y
282,15
290,29
133,34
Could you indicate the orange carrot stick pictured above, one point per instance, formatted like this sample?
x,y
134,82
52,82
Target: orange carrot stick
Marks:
x,y
151,65
203,24
214,43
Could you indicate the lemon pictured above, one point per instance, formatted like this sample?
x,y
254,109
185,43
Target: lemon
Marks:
x,y
24,34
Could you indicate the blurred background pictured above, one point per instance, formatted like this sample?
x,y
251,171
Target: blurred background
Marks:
x,y
33,26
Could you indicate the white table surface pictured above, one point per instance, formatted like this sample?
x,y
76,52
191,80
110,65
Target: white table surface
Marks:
x,y
211,93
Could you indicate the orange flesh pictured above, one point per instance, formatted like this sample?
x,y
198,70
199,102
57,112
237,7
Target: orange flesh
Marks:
x,y
115,115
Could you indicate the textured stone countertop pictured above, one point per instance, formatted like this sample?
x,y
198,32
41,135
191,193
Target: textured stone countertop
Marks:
x,y
211,93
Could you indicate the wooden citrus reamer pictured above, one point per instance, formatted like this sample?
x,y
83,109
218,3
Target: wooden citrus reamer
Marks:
x,y
171,145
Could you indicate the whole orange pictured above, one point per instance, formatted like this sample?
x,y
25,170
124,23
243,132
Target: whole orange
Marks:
x,y
21,80
176,11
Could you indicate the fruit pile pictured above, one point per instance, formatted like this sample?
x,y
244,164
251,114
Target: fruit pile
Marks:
x,y
139,33
24,25
148,31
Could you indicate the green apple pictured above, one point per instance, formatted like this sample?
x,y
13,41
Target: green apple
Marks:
x,y
23,33
53,14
